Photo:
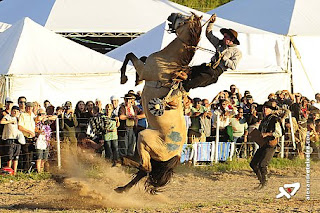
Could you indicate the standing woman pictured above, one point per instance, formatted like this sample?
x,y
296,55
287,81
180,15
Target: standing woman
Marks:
x,y
43,132
111,136
82,118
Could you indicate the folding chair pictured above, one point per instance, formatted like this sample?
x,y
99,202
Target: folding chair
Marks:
x,y
186,153
203,152
224,149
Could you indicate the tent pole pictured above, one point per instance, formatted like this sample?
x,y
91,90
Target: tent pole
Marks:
x,y
299,57
290,67
7,86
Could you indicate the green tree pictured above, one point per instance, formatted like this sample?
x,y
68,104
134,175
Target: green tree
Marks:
x,y
202,5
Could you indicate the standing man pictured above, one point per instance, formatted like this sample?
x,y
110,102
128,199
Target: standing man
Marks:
x,y
227,57
115,103
27,126
271,130
129,115
22,103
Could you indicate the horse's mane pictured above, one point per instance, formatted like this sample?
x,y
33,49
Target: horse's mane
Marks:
x,y
191,44
195,33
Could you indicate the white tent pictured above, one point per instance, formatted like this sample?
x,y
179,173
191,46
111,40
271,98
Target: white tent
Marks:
x,y
91,16
259,73
39,64
4,26
297,19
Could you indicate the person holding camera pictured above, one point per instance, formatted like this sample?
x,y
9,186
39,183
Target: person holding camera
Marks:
x,y
69,123
196,130
43,133
227,57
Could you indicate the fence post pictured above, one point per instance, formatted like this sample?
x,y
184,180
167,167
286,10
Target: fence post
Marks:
x,y
282,143
292,132
58,143
308,149
217,138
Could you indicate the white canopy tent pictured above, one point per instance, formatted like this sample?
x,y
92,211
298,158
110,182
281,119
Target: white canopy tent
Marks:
x,y
4,26
298,20
91,16
259,73
39,64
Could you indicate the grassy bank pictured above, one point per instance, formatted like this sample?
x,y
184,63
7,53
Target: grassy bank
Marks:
x,y
25,176
202,5
243,164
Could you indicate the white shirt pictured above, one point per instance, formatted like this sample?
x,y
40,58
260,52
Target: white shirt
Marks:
x,y
10,131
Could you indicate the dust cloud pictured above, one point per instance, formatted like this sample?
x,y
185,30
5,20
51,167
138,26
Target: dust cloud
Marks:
x,y
91,178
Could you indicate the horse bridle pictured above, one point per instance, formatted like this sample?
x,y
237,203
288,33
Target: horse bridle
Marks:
x,y
173,29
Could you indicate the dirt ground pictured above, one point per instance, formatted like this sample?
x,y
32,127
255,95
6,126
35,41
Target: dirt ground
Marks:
x,y
88,187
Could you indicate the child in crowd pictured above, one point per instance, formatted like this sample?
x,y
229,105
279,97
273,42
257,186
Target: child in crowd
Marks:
x,y
10,136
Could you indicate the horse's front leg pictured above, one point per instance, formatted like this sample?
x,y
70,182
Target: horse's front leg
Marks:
x,y
134,181
138,65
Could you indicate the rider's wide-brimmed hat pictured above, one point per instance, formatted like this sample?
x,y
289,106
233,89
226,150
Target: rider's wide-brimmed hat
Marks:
x,y
231,33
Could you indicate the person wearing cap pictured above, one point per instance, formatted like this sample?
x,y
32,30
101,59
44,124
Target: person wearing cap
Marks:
x,y
27,126
227,57
196,130
9,136
271,130
115,103
129,114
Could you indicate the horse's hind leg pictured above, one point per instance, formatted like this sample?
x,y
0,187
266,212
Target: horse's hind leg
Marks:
x,y
138,65
138,80
134,181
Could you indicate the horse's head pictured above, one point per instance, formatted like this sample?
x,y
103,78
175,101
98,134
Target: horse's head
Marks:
x,y
188,31
179,21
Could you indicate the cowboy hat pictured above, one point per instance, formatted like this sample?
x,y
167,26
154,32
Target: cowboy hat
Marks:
x,y
231,33
268,104
129,96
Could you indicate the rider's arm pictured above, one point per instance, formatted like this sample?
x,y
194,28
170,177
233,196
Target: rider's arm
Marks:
x,y
213,39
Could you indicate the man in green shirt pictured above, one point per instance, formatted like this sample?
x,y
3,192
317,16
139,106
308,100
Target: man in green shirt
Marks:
x,y
196,128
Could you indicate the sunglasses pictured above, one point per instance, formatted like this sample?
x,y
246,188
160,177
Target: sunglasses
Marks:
x,y
22,102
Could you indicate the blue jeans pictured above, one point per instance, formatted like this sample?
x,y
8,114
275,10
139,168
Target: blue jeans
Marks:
x,y
127,144
111,149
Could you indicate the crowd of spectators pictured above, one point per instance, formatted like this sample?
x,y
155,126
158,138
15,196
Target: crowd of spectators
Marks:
x,y
27,128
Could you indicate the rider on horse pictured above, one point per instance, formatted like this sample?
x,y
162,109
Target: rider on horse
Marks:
x,y
227,57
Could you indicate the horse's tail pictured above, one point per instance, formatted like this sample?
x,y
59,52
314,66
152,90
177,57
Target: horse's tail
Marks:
x,y
162,172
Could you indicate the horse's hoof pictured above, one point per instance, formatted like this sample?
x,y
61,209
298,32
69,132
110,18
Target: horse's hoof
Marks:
x,y
120,189
123,79
154,191
138,82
